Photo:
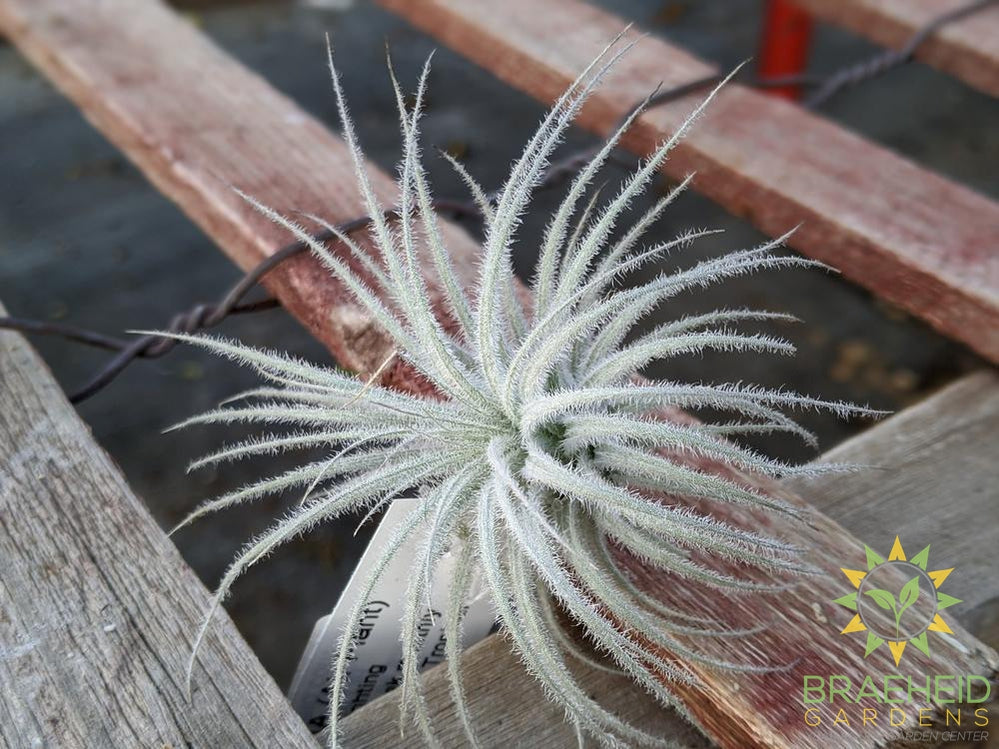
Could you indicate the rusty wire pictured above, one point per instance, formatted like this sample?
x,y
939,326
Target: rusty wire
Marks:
x,y
203,316
885,61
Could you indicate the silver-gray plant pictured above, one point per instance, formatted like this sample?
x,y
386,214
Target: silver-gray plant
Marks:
x,y
542,455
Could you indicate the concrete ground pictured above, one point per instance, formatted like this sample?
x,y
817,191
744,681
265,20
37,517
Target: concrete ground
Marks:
x,y
85,239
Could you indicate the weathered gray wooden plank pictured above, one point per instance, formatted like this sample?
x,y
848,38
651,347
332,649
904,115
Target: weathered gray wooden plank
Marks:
x,y
97,609
936,482
934,479
509,709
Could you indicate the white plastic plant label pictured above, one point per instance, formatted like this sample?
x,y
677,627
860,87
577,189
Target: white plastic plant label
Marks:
x,y
377,666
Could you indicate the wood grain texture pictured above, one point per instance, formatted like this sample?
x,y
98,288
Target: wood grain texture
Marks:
x,y
934,478
509,708
97,609
935,483
967,49
196,121
910,236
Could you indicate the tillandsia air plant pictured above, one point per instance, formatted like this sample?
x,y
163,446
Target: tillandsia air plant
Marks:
x,y
542,454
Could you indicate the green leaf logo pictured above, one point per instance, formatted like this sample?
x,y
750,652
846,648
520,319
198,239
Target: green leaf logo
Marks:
x,y
909,595
906,597
882,598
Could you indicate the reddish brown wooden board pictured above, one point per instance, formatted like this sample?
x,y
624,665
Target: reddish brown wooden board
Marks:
x,y
198,124
195,122
910,236
967,48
